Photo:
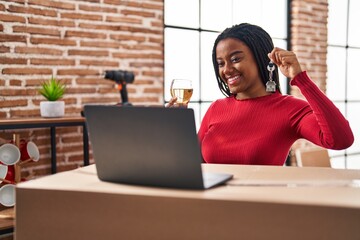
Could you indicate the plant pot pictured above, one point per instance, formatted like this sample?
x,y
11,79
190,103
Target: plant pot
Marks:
x,y
52,109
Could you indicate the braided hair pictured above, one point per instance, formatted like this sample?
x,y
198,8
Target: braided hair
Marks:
x,y
259,43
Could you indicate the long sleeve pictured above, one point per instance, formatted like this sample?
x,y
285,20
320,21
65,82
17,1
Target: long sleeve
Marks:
x,y
262,130
323,124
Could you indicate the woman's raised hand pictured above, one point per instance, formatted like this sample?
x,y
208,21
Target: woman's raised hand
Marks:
x,y
286,61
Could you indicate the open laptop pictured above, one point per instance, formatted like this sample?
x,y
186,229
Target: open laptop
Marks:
x,y
152,146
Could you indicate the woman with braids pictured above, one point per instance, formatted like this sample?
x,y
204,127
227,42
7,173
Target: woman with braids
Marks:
x,y
255,123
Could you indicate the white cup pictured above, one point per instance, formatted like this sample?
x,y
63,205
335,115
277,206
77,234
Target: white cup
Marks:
x,y
7,195
9,154
3,171
29,150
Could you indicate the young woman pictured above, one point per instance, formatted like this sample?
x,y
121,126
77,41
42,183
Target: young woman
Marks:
x,y
255,123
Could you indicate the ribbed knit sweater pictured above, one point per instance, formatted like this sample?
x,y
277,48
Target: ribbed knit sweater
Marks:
x,y
262,130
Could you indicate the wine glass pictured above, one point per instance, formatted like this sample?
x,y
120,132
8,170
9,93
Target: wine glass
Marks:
x,y
181,89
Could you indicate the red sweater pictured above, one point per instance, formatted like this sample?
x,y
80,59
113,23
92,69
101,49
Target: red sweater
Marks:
x,y
262,130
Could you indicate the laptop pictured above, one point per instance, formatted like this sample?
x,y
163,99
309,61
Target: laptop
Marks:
x,y
151,146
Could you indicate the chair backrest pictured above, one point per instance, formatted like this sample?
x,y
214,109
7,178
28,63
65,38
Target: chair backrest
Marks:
x,y
312,157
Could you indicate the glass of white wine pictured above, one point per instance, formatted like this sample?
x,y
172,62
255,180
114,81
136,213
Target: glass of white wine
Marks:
x,y
181,89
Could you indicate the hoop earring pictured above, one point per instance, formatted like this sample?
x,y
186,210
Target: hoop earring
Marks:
x,y
271,85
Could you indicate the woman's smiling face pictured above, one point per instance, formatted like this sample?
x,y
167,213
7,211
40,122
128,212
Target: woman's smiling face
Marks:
x,y
238,69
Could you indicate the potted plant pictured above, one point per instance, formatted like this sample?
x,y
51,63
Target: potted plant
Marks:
x,y
52,90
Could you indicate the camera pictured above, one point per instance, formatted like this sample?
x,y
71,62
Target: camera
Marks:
x,y
121,78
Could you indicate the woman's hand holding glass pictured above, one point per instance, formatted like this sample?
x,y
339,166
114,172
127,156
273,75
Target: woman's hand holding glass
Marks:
x,y
181,92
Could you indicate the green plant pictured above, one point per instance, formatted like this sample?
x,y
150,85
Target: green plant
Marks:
x,y
52,89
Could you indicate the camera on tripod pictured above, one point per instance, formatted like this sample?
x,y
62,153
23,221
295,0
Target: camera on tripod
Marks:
x,y
121,78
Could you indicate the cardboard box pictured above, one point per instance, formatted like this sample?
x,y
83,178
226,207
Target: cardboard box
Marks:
x,y
259,203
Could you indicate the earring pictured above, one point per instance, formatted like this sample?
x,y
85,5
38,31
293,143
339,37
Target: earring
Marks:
x,y
271,85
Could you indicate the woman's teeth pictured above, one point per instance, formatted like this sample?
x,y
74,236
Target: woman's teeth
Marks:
x,y
232,80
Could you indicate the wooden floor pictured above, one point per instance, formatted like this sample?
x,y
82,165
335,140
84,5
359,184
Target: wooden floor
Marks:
x,y
7,236
7,221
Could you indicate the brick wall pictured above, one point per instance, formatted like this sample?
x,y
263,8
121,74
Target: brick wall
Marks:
x,y
309,42
309,37
76,41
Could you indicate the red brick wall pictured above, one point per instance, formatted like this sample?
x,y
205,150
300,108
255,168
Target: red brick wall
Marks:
x,y
309,37
76,41
309,42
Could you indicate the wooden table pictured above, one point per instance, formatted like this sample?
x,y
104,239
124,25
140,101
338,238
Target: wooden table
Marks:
x,y
260,202
52,123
